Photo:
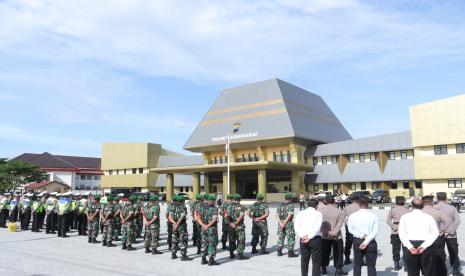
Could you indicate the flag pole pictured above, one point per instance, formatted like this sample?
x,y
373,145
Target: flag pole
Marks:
x,y
227,156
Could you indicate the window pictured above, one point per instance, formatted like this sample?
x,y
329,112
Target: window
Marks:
x,y
275,158
351,158
353,186
96,177
392,155
418,185
83,176
255,157
375,185
336,187
455,183
124,171
324,160
394,185
363,186
460,148
316,187
141,170
134,171
325,187
403,154
334,159
285,188
249,157
373,156
406,185
110,172
440,149
215,160
362,157
82,187
315,161
288,157
117,172
89,177
281,156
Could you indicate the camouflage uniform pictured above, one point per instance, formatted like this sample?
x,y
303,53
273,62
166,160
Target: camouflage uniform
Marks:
x,y
209,236
224,224
237,234
259,229
139,222
127,228
117,229
109,225
179,235
284,210
169,226
152,235
93,225
195,228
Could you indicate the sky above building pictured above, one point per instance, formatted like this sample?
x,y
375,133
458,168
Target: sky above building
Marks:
x,y
74,74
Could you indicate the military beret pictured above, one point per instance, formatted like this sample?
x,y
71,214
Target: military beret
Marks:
x,y
237,196
140,198
211,197
116,199
205,196
133,198
97,197
198,196
181,198
289,196
260,197
153,198
110,198
230,196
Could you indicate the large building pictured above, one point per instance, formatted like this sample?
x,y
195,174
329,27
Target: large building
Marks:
x,y
286,139
79,173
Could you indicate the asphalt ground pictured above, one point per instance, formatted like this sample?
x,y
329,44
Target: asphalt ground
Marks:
x,y
27,253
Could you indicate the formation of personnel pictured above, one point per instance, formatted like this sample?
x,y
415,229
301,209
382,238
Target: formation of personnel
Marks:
x,y
117,216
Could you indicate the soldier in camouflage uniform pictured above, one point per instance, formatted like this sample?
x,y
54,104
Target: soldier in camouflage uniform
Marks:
x,y
195,227
139,223
127,221
235,217
224,223
169,225
93,218
108,221
285,216
177,217
117,229
151,216
208,220
259,212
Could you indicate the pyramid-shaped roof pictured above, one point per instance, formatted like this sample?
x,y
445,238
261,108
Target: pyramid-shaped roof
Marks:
x,y
267,110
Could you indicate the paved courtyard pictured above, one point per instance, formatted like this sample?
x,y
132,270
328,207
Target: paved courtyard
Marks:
x,y
26,253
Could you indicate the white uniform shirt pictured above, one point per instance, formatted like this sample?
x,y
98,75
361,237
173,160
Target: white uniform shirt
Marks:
x,y
363,223
417,226
308,223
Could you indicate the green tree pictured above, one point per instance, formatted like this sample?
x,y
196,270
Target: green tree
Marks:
x,y
16,173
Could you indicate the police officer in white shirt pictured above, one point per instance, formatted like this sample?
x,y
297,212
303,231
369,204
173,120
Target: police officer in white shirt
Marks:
x,y
364,226
308,227
417,232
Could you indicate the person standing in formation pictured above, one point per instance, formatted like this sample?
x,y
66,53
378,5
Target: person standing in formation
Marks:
x,y
235,216
51,213
4,205
285,216
333,219
224,224
177,217
108,221
64,207
151,217
418,231
364,226
93,218
127,224
259,212
348,211
38,207
308,226
208,220
393,219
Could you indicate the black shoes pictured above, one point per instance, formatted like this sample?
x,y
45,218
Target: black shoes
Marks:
x,y
340,271
280,252
254,250
212,262
204,260
124,247
156,252
109,244
173,256
397,266
264,252
95,241
242,257
347,261
147,250
232,255
224,246
130,248
185,258
323,270
104,243
291,254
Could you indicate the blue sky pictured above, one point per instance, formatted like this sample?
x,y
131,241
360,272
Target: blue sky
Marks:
x,y
74,74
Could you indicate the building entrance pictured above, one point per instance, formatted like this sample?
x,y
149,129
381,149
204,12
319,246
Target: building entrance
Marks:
x,y
247,184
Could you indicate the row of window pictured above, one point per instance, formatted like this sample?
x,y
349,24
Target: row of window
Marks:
x,y
442,149
243,158
88,177
282,157
362,157
455,183
374,186
87,188
125,171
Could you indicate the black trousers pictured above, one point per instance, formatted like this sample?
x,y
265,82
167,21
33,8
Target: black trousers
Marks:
x,y
396,246
35,222
453,249
41,220
3,217
425,263
311,250
62,225
51,223
25,219
343,204
348,245
337,247
82,224
302,205
370,253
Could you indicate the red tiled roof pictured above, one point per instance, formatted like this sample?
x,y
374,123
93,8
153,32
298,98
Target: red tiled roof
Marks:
x,y
36,185
47,160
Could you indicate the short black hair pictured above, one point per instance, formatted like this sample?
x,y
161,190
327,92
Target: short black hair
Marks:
x,y
354,197
428,199
441,196
400,200
417,203
312,203
364,201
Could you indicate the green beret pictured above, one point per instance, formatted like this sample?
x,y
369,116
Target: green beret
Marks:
x,y
153,198
116,199
133,198
97,197
141,198
205,196
230,196
260,197
211,197
237,196
198,196
110,198
289,196
181,198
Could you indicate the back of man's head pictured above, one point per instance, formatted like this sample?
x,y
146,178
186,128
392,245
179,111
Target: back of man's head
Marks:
x,y
313,203
417,203
355,198
427,200
363,202
329,199
442,196
400,200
